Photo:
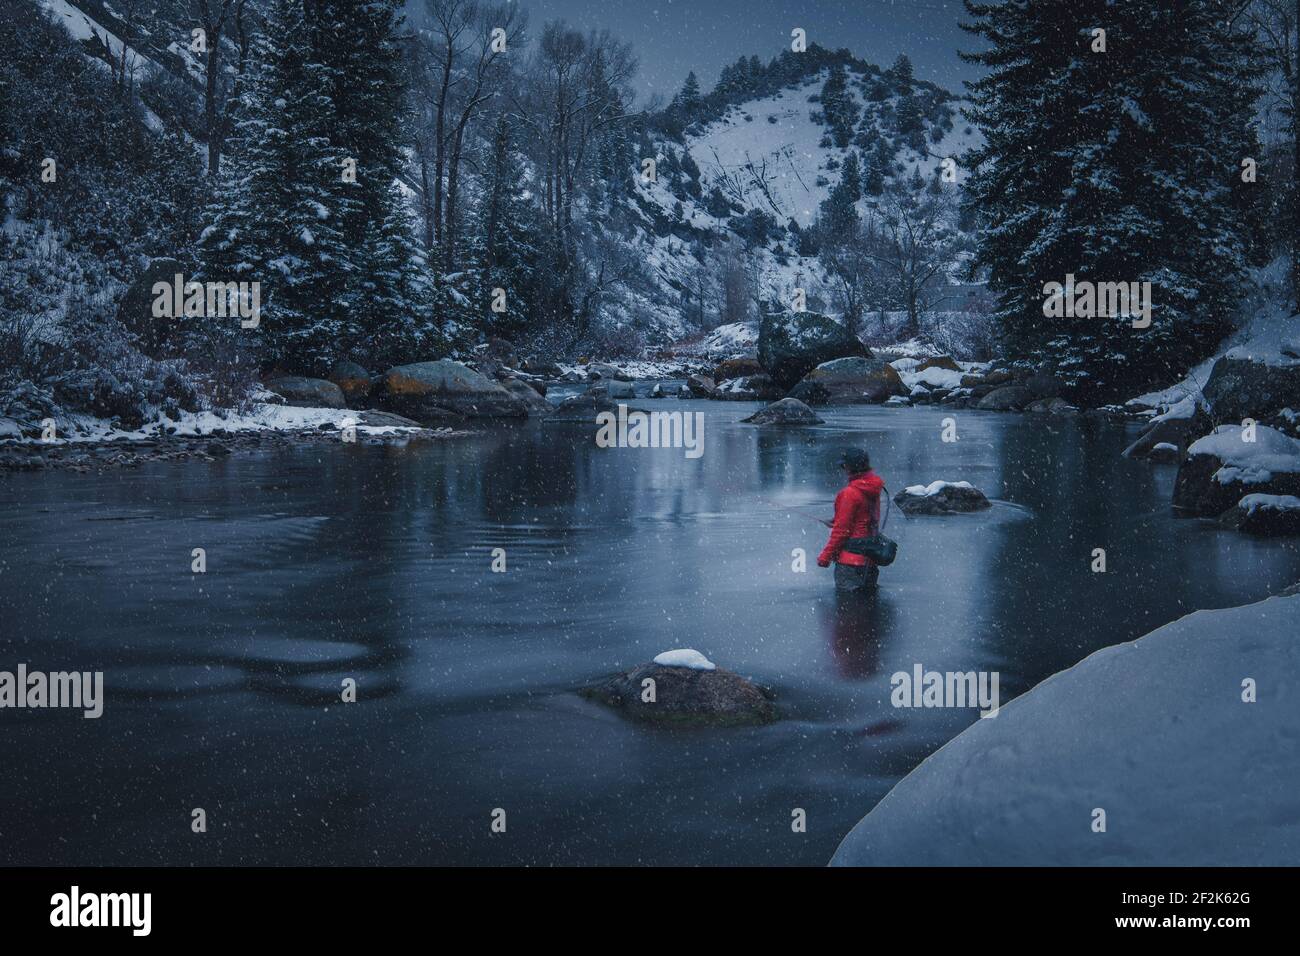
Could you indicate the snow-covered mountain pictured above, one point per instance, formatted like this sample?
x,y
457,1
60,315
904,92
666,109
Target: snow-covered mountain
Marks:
x,y
774,157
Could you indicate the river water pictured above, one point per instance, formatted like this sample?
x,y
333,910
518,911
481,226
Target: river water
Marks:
x,y
374,563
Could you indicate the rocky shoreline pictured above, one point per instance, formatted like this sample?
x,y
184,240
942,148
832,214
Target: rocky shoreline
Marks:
x,y
98,456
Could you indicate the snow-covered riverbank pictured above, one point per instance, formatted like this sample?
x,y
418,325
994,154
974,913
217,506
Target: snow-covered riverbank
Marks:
x,y
1183,743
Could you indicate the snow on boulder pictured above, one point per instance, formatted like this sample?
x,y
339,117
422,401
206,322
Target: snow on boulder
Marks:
x,y
788,411
792,344
685,657
1264,515
941,498
1226,465
1154,732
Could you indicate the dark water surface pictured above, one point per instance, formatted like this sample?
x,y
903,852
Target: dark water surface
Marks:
x,y
374,563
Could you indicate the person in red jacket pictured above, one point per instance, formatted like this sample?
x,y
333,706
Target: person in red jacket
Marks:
x,y
857,515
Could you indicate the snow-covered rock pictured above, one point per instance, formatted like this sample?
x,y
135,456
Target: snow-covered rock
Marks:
x,y
941,497
1154,732
1264,515
1226,465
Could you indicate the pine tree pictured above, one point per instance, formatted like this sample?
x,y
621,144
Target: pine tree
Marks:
x,y
510,244
838,216
1112,166
359,47
279,215
901,72
839,107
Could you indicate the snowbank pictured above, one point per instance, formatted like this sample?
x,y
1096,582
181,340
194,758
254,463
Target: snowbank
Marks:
x,y
1154,732
262,417
1250,462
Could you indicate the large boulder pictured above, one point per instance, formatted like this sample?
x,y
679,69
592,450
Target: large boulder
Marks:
x,y
1264,515
1051,406
1007,398
941,498
447,386
792,344
1223,467
1178,427
583,409
788,411
307,392
940,361
848,381
602,371
537,365
353,380
685,693
135,310
750,388
701,386
737,368
1250,387
533,400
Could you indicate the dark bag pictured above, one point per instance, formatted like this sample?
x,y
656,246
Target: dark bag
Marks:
x,y
877,547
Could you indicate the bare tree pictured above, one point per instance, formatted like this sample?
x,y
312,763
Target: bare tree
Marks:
x,y
219,99
912,243
1276,25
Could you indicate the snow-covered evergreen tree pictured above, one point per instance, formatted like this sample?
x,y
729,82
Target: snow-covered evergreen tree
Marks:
x,y
281,210
358,44
1111,157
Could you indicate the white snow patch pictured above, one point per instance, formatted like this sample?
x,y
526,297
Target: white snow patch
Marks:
x,y
1250,462
685,657
1252,503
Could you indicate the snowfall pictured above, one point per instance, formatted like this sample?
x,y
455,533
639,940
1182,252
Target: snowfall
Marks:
x,y
1158,733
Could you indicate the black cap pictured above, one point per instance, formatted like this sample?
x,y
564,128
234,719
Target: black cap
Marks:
x,y
855,460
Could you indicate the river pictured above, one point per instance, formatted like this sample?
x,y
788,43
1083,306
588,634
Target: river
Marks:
x,y
375,563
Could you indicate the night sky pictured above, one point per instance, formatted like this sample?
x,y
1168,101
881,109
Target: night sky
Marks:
x,y
672,37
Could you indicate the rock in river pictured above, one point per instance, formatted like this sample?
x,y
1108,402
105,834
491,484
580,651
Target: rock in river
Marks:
x,y
788,411
941,498
688,691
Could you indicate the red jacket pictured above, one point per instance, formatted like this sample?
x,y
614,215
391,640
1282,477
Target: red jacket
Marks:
x,y
857,515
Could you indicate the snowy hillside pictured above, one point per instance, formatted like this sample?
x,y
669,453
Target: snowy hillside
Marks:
x,y
774,156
